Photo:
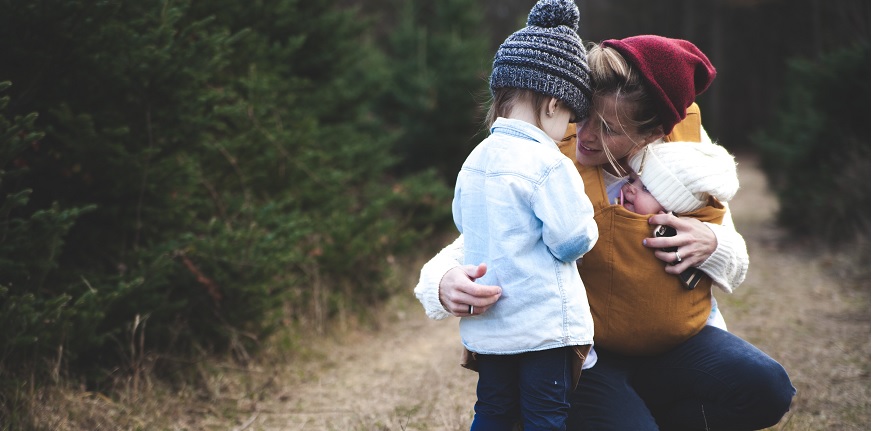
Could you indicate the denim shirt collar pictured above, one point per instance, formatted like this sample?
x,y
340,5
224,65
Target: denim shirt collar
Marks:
x,y
521,129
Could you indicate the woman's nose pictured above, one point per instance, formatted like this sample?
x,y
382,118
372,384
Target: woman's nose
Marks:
x,y
584,131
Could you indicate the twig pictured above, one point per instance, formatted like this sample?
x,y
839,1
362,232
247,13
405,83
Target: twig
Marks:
x,y
705,424
247,423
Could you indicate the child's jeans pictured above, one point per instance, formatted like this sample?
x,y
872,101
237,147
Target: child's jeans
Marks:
x,y
533,386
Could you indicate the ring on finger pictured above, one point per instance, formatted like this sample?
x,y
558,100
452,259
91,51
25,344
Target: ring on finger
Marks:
x,y
471,309
678,258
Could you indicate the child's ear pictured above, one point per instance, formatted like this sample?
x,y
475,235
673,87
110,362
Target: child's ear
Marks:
x,y
553,105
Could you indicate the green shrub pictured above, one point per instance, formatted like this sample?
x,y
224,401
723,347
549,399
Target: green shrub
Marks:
x,y
817,152
35,325
204,168
439,78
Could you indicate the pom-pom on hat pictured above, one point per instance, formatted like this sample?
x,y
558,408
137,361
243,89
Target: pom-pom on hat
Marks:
x,y
675,72
682,176
547,56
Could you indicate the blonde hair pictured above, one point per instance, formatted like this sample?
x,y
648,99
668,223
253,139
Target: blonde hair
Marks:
x,y
504,99
613,77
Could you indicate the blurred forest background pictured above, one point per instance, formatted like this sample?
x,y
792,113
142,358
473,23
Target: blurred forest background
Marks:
x,y
183,179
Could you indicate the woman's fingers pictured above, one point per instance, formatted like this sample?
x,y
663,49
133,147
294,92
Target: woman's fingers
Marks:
x,y
458,291
676,266
474,272
694,242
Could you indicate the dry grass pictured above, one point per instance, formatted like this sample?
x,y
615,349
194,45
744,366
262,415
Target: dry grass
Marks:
x,y
399,371
807,308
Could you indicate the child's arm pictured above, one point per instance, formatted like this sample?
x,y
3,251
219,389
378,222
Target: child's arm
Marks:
x,y
569,230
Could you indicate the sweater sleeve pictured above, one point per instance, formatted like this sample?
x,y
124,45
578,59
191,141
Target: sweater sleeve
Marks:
x,y
727,266
428,288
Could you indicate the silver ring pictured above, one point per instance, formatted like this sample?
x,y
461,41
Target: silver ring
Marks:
x,y
678,258
471,309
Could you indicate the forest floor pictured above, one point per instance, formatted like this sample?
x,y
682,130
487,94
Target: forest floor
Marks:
x,y
797,305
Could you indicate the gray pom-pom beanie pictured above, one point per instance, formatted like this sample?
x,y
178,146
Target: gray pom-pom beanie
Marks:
x,y
547,56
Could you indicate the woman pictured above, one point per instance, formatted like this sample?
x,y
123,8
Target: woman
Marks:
x,y
644,88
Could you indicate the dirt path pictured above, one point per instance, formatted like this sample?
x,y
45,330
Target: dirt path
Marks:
x,y
406,377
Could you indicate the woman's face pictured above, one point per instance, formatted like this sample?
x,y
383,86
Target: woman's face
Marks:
x,y
602,131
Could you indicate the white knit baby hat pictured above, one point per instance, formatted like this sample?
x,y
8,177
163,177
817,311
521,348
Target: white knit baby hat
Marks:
x,y
682,175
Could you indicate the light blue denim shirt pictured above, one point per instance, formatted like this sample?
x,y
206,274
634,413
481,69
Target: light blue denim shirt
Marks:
x,y
522,208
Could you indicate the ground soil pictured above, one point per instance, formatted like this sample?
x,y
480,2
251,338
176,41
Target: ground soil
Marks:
x,y
796,304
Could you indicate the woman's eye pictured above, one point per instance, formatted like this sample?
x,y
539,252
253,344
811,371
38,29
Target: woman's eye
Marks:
x,y
645,189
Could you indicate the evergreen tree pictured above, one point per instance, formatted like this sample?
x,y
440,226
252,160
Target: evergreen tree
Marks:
x,y
221,162
438,82
35,325
817,152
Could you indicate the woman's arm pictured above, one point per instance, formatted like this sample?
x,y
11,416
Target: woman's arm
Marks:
x,y
446,286
718,250
727,266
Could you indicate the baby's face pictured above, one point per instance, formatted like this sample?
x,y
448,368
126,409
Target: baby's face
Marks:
x,y
637,199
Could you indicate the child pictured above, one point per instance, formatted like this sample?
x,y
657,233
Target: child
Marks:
x,y
522,208
683,178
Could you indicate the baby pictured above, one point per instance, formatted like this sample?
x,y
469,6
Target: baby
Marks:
x,y
679,177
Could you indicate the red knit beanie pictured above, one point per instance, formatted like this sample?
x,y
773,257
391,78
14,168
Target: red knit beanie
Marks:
x,y
674,69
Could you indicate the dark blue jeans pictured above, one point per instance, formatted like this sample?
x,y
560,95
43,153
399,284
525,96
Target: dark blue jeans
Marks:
x,y
713,381
532,386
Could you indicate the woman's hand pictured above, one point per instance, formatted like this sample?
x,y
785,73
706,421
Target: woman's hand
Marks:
x,y
695,242
458,292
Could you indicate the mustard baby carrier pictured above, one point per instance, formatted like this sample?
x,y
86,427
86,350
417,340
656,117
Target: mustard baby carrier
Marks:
x,y
638,308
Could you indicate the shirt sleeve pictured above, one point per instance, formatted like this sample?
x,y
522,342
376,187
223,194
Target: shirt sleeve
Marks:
x,y
729,263
428,288
569,229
